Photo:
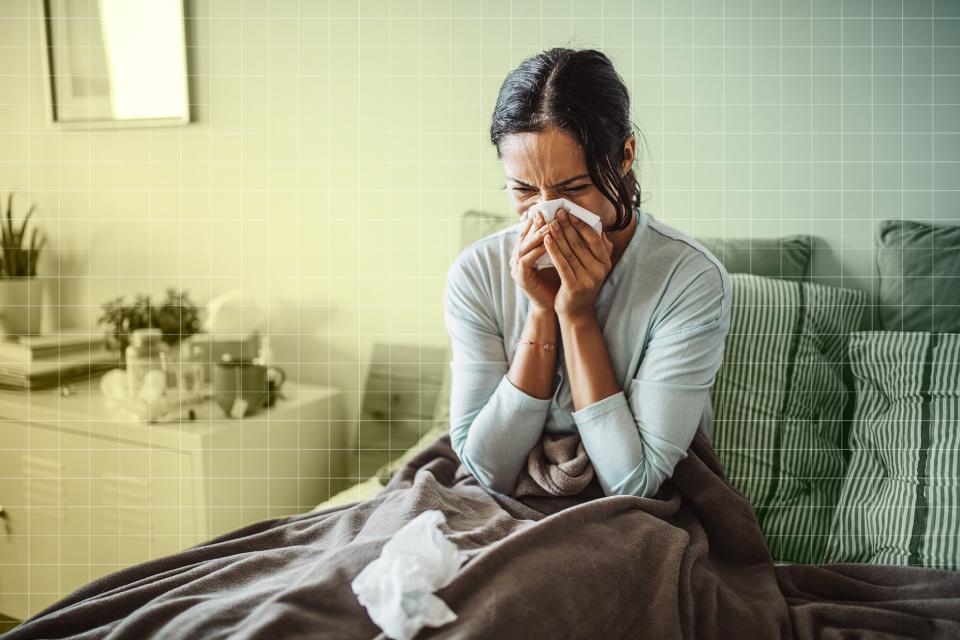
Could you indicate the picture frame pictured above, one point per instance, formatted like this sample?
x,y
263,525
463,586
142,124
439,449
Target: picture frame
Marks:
x,y
127,68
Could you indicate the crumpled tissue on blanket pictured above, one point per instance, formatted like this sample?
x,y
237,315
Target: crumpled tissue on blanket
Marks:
x,y
397,588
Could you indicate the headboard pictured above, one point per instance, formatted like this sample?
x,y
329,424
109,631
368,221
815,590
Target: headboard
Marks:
x,y
479,224
823,265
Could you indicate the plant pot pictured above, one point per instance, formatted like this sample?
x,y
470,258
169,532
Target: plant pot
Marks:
x,y
21,305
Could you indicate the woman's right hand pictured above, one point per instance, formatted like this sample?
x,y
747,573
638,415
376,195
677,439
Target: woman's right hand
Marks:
x,y
540,285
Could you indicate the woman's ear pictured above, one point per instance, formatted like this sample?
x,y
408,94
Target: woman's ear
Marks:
x,y
629,151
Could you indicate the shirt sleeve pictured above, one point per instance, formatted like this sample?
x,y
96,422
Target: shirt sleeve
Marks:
x,y
493,423
635,439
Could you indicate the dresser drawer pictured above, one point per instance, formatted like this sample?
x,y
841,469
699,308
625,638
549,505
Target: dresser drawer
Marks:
x,y
89,506
13,526
93,494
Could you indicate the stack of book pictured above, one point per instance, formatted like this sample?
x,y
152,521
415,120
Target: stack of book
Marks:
x,y
40,362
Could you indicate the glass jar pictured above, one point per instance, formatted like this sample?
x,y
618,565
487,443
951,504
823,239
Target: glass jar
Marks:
x,y
192,379
146,352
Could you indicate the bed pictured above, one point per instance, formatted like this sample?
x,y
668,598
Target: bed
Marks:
x,y
745,539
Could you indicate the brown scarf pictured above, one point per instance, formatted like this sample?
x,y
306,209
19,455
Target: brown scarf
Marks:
x,y
557,465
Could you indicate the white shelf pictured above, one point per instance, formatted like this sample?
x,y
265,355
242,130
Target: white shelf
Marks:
x,y
85,493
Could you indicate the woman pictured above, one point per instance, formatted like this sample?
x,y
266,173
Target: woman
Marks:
x,y
622,338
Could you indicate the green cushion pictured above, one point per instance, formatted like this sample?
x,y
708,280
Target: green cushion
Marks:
x,y
919,267
440,425
787,257
779,405
479,224
386,472
900,502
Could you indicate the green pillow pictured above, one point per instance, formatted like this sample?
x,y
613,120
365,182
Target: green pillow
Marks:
x,y
386,472
440,425
900,502
780,401
787,257
919,268
479,224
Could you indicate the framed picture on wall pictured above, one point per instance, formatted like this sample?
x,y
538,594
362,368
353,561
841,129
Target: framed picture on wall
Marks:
x,y
115,63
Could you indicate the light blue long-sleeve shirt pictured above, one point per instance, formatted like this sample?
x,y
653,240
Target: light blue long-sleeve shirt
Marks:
x,y
664,310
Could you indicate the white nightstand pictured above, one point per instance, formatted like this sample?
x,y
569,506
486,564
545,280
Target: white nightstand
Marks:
x,y
84,494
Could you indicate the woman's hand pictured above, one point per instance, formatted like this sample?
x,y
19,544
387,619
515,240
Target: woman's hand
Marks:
x,y
582,258
540,285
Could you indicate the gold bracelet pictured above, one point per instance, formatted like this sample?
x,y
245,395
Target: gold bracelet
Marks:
x,y
547,346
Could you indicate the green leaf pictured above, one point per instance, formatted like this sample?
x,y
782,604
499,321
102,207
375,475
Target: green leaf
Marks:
x,y
23,226
9,228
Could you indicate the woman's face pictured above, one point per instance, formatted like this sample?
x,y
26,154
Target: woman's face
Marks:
x,y
549,165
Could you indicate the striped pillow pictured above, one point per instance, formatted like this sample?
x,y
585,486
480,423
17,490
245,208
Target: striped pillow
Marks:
x,y
781,405
900,502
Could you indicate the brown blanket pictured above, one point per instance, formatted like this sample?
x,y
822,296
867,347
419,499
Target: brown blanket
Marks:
x,y
688,563
558,465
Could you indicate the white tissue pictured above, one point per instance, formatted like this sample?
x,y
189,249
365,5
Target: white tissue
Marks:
x,y
397,588
239,408
148,403
549,209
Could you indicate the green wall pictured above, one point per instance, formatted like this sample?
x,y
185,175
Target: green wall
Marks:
x,y
336,144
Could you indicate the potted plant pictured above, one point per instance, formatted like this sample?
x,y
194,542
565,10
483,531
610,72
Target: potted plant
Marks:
x,y
176,316
21,294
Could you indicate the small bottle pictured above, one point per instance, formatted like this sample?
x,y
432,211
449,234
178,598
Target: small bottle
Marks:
x,y
146,352
191,369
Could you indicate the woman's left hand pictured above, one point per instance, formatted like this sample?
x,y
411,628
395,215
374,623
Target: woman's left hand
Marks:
x,y
582,258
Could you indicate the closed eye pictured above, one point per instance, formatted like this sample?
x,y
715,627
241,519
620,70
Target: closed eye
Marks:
x,y
568,189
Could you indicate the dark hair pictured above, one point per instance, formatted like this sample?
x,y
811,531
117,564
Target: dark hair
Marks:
x,y
580,93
